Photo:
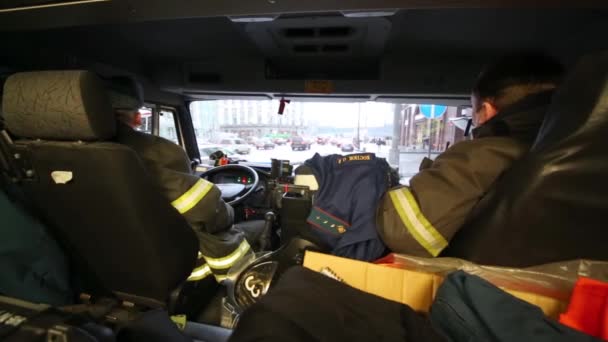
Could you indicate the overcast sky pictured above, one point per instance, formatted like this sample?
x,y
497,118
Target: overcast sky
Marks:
x,y
344,115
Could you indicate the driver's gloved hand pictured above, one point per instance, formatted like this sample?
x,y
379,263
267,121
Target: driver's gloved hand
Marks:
x,y
255,233
225,214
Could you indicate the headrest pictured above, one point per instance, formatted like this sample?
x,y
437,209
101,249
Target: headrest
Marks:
x,y
125,93
580,104
57,105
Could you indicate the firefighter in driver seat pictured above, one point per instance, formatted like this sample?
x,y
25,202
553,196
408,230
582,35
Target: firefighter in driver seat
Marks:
x,y
221,243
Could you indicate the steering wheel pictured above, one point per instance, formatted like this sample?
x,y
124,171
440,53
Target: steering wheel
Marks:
x,y
234,193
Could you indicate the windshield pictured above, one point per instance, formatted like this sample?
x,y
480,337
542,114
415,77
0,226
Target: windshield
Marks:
x,y
402,133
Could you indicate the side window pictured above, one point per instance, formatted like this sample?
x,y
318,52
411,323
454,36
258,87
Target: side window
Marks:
x,y
167,127
146,120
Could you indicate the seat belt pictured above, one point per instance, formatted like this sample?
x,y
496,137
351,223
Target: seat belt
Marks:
x,y
9,169
10,172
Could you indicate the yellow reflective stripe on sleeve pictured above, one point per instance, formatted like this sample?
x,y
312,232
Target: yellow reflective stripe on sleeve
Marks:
x,y
199,273
180,321
415,222
220,278
229,260
191,197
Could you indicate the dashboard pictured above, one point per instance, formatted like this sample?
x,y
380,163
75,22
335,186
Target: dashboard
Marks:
x,y
257,204
231,178
241,177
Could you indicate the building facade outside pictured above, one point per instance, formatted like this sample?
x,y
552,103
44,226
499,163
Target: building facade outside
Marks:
x,y
247,118
418,132
255,118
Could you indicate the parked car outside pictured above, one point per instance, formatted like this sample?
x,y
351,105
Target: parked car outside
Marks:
x,y
322,140
298,143
347,147
236,144
263,144
251,140
280,141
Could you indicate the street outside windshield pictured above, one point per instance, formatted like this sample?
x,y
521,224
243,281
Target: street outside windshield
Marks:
x,y
253,131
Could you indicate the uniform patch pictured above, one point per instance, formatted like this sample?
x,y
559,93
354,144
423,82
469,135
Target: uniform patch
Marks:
x,y
326,221
355,157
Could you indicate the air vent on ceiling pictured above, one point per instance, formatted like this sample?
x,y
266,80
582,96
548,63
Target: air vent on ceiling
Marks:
x,y
335,31
326,49
335,48
318,32
299,33
305,48
317,47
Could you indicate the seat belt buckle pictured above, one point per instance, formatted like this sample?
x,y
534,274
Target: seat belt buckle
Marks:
x,y
9,158
20,164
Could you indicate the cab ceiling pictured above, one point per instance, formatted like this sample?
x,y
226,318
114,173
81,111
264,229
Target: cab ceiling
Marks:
x,y
410,52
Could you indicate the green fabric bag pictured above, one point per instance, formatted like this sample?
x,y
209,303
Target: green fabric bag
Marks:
x,y
32,265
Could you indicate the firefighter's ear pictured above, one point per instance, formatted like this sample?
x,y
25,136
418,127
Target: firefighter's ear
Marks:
x,y
486,110
489,111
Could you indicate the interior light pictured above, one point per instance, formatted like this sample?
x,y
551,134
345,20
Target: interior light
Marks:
x,y
253,18
369,14
48,5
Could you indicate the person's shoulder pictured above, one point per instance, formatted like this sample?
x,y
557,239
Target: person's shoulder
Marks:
x,y
165,143
150,140
488,143
484,150
150,146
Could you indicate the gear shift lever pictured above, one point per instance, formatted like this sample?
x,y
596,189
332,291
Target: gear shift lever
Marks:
x,y
266,236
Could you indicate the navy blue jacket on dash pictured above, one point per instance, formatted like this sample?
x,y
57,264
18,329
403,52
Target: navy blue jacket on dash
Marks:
x,y
344,208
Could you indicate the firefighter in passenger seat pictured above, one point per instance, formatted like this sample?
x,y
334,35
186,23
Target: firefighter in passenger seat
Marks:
x,y
221,243
509,102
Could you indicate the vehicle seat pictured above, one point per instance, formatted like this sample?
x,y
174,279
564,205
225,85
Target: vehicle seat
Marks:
x,y
109,215
552,205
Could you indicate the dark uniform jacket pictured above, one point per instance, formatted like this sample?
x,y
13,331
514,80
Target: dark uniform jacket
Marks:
x,y
343,213
308,306
220,243
422,218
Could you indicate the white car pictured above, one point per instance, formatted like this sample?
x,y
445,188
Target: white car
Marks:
x,y
207,149
237,145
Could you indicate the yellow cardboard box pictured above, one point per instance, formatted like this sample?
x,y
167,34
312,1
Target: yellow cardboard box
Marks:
x,y
414,288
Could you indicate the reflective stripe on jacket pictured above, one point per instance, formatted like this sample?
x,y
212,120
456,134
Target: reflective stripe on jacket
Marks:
x,y
422,218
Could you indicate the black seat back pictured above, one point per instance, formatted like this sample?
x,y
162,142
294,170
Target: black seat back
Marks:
x,y
101,204
553,204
